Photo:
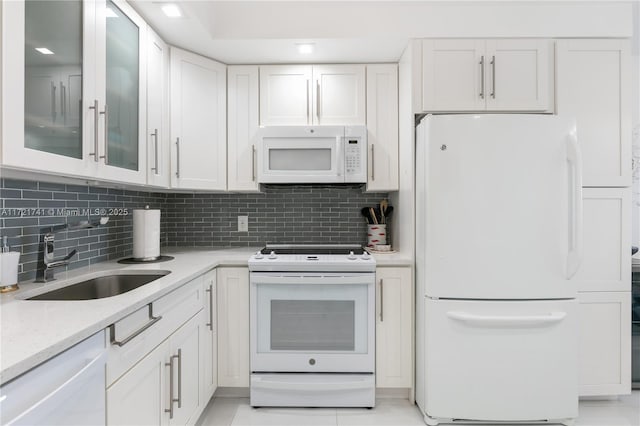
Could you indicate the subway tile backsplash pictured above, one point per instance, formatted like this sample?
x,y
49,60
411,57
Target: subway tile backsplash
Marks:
x,y
29,209
279,214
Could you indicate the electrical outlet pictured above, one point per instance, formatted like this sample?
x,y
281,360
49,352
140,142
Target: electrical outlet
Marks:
x,y
243,223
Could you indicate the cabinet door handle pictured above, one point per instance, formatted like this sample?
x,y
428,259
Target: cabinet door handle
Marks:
x,y
62,102
373,162
482,77
253,163
381,300
96,115
308,117
152,320
318,100
179,356
210,291
106,134
171,398
178,157
493,77
53,102
155,144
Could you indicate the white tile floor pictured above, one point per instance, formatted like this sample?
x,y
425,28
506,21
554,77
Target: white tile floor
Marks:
x,y
624,411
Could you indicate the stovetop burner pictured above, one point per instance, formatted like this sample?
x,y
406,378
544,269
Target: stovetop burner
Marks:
x,y
337,249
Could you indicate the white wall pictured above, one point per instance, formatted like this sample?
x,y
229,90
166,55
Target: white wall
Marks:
x,y
635,85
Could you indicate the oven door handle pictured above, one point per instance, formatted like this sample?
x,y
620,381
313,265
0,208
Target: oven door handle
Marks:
x,y
312,279
325,387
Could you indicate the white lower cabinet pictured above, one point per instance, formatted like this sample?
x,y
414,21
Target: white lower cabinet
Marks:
x,y
183,369
155,361
394,327
209,339
606,265
163,388
605,343
233,327
138,397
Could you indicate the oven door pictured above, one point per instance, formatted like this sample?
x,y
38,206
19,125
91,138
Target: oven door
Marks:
x,y
301,155
312,322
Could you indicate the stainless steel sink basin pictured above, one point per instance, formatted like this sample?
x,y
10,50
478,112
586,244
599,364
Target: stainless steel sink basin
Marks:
x,y
101,286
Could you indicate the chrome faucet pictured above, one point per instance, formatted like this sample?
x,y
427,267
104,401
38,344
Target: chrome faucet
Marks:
x,y
49,262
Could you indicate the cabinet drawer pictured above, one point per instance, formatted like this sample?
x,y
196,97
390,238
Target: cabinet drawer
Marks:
x,y
174,309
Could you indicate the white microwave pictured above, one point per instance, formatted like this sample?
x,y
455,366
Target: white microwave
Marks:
x,y
312,154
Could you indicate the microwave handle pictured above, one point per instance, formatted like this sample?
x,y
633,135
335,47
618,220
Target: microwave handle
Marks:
x,y
340,153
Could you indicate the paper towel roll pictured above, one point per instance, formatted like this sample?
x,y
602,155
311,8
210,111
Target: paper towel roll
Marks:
x,y
9,268
146,234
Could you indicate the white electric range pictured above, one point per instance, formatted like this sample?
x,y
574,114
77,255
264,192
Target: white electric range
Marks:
x,y
312,326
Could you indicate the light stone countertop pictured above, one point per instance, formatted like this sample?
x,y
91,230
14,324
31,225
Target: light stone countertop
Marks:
x,y
33,331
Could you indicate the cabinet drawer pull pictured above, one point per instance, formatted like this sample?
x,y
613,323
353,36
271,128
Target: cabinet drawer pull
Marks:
x,y
152,320
96,115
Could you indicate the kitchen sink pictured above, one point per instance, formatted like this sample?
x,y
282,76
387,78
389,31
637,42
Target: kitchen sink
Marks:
x,y
102,286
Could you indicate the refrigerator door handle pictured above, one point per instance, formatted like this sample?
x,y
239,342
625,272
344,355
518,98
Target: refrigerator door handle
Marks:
x,y
574,256
507,320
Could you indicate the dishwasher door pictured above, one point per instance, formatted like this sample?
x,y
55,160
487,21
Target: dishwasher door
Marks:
x,y
68,389
635,327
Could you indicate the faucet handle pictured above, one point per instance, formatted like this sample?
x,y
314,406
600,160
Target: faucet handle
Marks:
x,y
70,255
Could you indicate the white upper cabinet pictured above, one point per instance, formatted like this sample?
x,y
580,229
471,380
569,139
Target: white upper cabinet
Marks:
x,y
479,75
453,75
198,122
80,109
520,75
318,94
158,161
285,95
382,127
339,94
242,125
593,85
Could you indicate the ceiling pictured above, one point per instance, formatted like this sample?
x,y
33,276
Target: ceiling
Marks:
x,y
253,32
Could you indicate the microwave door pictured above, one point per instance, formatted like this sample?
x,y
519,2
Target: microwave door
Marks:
x,y
301,160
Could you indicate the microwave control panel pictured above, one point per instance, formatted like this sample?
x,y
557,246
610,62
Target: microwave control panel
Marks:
x,y
355,158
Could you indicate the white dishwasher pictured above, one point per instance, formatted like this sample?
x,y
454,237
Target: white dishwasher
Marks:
x,y
68,389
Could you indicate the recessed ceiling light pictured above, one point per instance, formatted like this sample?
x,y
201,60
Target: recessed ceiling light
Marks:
x,y
305,48
109,13
171,10
44,51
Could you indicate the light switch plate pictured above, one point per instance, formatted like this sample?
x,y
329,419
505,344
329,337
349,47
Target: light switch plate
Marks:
x,y
243,223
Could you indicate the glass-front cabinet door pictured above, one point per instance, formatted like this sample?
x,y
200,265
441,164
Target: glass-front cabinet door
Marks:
x,y
121,92
72,83
47,74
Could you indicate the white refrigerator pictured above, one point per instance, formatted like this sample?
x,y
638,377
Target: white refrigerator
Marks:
x,y
498,239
